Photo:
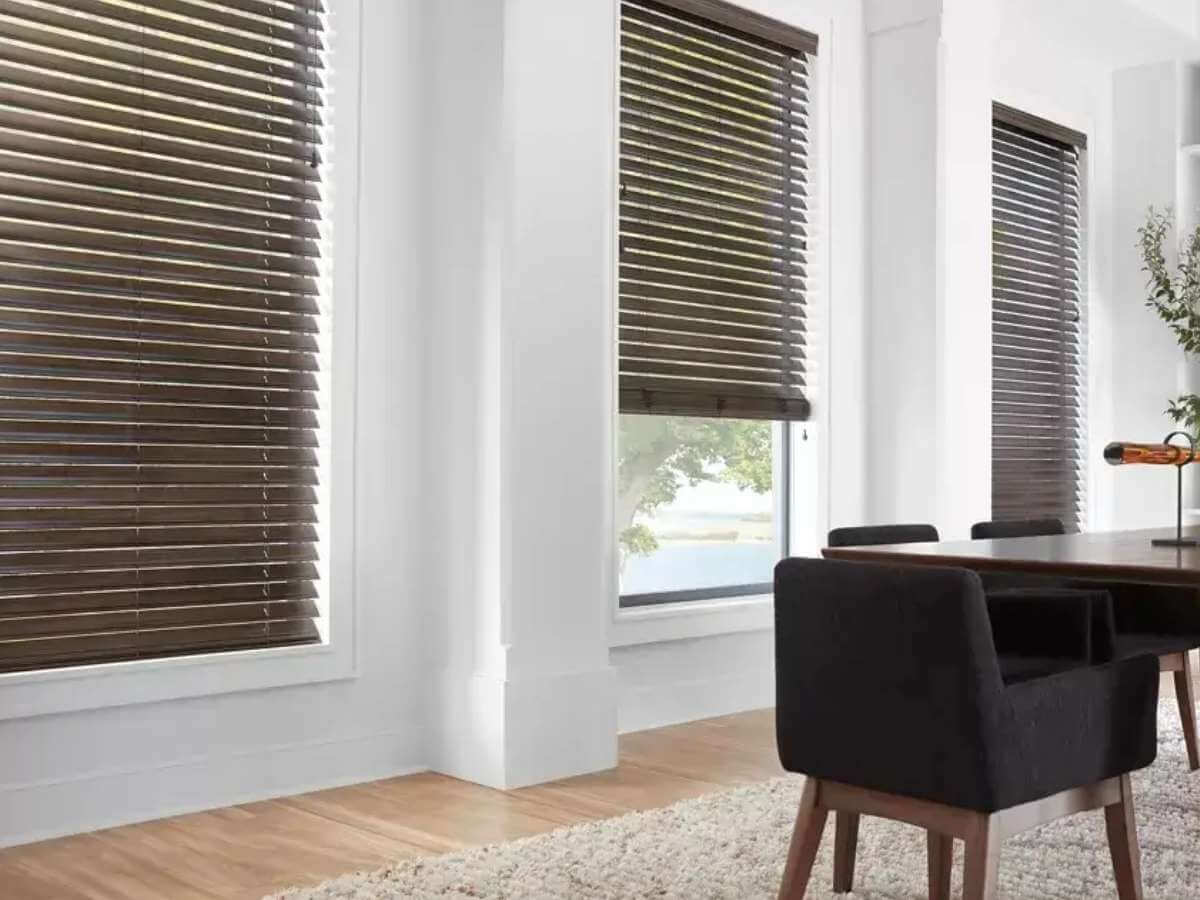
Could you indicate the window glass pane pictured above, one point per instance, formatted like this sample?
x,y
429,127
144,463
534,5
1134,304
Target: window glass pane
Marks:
x,y
696,504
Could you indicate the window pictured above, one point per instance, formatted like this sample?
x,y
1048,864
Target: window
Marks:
x,y
161,324
1037,319
714,238
700,513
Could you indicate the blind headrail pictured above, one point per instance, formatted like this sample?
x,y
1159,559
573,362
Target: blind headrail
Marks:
x,y
1038,125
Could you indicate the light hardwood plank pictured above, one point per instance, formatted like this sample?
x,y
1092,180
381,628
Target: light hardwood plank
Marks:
x,y
247,851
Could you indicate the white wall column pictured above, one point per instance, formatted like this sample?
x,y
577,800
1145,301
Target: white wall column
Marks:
x,y
929,214
902,183
521,375
559,398
964,264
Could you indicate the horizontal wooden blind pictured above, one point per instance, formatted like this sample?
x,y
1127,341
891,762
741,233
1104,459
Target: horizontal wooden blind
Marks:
x,y
160,327
714,212
1037,320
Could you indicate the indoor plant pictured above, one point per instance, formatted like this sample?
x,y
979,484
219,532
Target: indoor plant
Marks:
x,y
1175,296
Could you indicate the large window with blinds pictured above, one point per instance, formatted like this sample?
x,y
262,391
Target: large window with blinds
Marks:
x,y
1037,318
161,323
714,238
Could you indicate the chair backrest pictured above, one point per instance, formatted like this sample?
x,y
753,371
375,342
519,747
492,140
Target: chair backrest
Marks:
x,y
886,677
1017,528
871,535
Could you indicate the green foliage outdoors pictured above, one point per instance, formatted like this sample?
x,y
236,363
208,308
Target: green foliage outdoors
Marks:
x,y
1175,297
657,455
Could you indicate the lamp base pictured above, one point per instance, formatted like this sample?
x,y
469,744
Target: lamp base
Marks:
x,y
1172,542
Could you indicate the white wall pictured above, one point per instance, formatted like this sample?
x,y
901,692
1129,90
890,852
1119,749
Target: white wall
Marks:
x,y
929,365
1108,70
77,771
1145,358
1107,87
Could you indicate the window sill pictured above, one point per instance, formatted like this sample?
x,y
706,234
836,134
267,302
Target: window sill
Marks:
x,y
25,694
694,619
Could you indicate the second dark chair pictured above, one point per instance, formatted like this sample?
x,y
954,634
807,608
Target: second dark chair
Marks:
x,y
873,535
1018,528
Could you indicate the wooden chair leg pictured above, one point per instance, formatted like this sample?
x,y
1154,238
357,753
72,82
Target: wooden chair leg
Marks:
x,y
845,845
1123,844
982,864
806,839
1185,693
941,857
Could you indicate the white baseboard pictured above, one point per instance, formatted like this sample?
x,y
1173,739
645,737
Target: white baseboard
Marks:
x,y
467,718
549,728
561,726
47,809
653,706
511,733
694,678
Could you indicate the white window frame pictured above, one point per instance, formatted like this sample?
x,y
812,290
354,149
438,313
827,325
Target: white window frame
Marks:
x,y
43,692
701,618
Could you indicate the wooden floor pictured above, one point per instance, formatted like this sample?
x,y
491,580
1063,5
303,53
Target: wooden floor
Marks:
x,y
248,851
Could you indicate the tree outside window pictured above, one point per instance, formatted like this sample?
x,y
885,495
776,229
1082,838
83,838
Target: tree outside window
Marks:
x,y
695,505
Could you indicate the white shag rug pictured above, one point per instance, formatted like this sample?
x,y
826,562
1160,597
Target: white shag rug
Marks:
x,y
732,845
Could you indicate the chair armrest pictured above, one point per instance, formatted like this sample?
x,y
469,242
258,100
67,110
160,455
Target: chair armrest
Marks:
x,y
1075,728
1053,622
1156,608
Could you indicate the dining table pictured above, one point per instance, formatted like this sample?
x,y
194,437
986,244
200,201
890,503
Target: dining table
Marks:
x,y
1114,555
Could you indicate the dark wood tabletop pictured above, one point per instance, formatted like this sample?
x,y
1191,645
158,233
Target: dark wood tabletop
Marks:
x,y
1125,555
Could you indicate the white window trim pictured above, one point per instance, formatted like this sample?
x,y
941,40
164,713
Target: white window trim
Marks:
x,y
693,619
43,692
727,615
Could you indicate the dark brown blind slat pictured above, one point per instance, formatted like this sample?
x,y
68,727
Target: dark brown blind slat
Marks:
x,y
1037,328
161,327
714,212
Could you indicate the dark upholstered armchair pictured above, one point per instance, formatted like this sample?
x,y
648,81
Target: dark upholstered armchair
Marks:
x,y
889,696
